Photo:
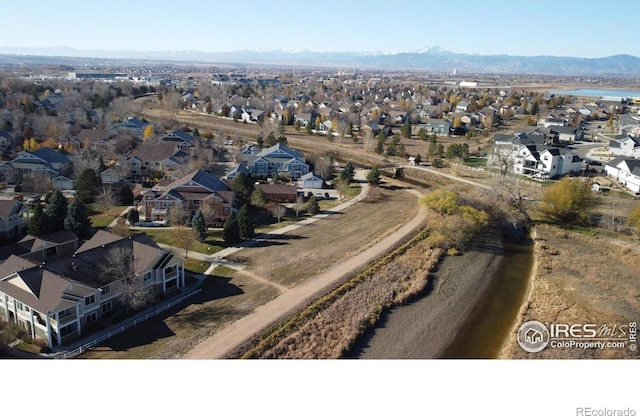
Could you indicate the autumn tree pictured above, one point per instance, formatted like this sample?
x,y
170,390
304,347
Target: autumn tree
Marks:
x,y
569,201
148,133
184,237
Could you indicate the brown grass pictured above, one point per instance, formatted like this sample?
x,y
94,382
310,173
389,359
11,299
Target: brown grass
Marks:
x,y
579,278
312,248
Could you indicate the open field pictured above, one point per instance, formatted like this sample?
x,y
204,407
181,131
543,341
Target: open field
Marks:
x,y
580,277
292,258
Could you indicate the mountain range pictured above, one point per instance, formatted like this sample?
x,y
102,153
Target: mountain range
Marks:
x,y
427,59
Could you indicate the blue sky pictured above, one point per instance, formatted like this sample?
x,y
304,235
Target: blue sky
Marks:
x,y
595,28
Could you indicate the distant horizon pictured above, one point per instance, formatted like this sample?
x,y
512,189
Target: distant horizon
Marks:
x,y
560,28
55,51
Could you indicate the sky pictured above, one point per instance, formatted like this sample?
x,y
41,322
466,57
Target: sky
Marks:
x,y
581,28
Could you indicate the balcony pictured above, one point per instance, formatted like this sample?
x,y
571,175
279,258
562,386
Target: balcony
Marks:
x,y
67,318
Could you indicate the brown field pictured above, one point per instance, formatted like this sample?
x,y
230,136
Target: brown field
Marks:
x,y
292,258
580,278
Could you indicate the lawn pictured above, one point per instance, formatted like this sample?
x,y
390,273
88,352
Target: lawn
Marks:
x,y
196,266
100,219
211,245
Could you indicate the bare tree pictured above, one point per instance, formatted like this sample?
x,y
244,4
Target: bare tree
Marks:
x,y
36,183
120,108
178,216
119,265
299,205
278,211
107,200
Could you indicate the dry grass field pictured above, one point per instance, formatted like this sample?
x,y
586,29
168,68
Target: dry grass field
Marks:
x,y
292,258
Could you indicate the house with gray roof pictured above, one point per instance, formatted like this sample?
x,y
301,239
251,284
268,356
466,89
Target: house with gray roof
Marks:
x,y
45,162
626,170
14,218
65,298
191,192
275,161
625,145
180,139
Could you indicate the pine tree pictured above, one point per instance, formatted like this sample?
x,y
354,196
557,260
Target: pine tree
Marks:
x,y
373,177
313,208
244,223
77,219
231,231
88,186
126,195
200,226
133,216
56,212
37,221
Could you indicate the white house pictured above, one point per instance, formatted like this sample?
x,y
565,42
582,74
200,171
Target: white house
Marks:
x,y
625,170
625,146
310,181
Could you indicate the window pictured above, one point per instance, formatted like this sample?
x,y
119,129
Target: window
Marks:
x,y
107,307
92,317
106,289
196,202
19,305
89,300
147,276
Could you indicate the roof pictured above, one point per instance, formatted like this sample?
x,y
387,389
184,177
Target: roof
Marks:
x,y
154,152
632,165
271,189
51,156
33,243
203,179
310,176
9,207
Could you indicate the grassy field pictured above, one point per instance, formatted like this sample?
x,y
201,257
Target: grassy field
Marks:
x,y
99,218
211,245
226,296
294,257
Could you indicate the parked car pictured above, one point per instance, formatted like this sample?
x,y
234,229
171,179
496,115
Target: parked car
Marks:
x,y
33,199
319,196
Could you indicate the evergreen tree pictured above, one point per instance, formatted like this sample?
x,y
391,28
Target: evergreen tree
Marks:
x,y
258,198
37,221
243,186
56,212
313,207
373,177
433,145
77,219
348,172
88,186
406,129
200,226
126,195
260,140
244,223
231,231
133,216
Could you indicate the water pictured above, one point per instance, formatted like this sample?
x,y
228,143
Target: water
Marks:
x,y
492,319
597,93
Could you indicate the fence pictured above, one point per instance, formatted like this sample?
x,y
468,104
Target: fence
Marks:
x,y
91,344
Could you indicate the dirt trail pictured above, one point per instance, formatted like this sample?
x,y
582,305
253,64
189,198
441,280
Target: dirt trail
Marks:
x,y
226,340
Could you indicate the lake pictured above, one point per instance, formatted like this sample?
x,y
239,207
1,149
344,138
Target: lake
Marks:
x,y
586,92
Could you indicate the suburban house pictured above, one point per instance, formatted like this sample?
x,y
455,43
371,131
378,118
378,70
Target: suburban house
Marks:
x,y
566,134
148,157
625,145
438,126
64,298
278,192
14,218
625,170
97,139
132,127
191,192
46,162
277,160
179,139
41,248
529,154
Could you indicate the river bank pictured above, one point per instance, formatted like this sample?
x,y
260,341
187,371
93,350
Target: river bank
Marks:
x,y
425,328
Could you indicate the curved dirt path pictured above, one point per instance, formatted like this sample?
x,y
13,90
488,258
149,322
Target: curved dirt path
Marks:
x,y
225,341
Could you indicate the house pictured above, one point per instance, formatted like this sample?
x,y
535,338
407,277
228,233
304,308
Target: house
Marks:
x,y
148,157
310,181
97,139
179,139
40,248
191,192
62,183
625,170
132,127
545,161
14,217
438,126
62,299
275,161
45,162
566,134
625,145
